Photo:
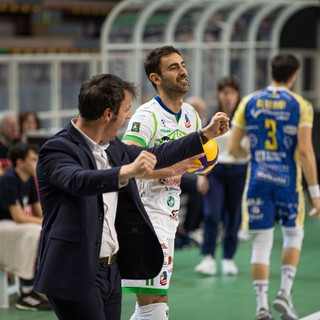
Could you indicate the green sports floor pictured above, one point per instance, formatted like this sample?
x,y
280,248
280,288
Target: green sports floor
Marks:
x,y
196,297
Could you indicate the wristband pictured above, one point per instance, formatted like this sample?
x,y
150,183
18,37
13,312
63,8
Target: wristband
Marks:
x,y
203,137
314,191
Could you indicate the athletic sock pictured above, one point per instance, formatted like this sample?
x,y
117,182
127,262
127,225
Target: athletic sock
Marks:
x,y
288,273
154,311
26,289
261,291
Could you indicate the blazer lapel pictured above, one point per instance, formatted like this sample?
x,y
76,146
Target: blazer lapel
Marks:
x,y
113,154
78,139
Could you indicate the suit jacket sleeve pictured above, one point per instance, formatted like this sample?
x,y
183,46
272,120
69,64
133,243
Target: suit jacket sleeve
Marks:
x,y
171,152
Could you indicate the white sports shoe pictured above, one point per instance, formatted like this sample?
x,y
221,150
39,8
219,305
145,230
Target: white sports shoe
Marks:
x,y
229,268
283,304
207,266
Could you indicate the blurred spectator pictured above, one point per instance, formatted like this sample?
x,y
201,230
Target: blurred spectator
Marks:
x,y
28,121
9,135
17,193
222,189
201,107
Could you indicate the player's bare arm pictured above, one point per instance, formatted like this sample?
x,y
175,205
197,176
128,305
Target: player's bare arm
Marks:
x,y
235,147
309,167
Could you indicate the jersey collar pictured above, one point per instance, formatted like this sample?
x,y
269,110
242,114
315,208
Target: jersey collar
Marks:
x,y
177,115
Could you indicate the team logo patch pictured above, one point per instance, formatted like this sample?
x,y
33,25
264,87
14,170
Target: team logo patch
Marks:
x,y
187,124
136,127
164,278
170,201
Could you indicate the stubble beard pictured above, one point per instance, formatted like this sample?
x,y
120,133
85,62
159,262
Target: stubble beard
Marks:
x,y
175,88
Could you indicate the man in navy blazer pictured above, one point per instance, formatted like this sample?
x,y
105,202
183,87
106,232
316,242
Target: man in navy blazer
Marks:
x,y
95,229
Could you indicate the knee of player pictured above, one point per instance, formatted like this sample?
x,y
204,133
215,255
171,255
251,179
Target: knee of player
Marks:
x,y
261,246
292,237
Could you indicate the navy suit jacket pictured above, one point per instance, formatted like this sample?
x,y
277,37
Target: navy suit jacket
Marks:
x,y
71,188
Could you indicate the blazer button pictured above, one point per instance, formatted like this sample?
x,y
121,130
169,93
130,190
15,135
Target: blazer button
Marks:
x,y
100,217
98,243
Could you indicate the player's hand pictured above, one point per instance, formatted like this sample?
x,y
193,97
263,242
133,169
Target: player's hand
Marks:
x,y
142,166
315,211
219,125
186,164
203,184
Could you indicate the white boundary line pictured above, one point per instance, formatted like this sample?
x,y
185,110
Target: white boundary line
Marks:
x,y
314,316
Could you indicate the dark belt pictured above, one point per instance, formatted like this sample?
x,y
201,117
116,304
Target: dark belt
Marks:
x,y
108,260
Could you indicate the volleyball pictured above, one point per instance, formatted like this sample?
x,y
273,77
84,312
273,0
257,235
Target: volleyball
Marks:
x,y
209,160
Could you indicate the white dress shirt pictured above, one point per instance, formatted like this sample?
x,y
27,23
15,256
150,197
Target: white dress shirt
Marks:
x,y
109,243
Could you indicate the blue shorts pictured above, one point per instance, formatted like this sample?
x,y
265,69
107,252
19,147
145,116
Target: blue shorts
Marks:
x,y
263,203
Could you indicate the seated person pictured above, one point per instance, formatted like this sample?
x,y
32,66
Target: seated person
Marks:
x,y
17,193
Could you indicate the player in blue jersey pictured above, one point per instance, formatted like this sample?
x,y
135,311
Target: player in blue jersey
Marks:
x,y
279,125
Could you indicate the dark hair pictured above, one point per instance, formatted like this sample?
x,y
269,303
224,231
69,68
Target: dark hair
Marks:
x,y
228,82
283,66
153,60
101,92
20,151
24,115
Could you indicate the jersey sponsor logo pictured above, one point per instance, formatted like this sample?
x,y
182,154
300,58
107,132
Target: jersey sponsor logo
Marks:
x,y
174,135
140,115
165,130
271,104
254,208
164,278
164,139
278,115
290,216
287,141
269,156
172,182
170,201
163,246
163,122
136,127
187,123
174,214
272,177
253,140
290,130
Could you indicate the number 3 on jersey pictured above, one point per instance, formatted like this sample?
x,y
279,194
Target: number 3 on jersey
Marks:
x,y
271,126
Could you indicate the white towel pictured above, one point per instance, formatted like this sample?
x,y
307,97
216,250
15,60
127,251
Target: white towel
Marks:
x,y
19,247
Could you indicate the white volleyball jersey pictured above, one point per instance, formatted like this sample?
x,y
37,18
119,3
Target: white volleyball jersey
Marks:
x,y
152,124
